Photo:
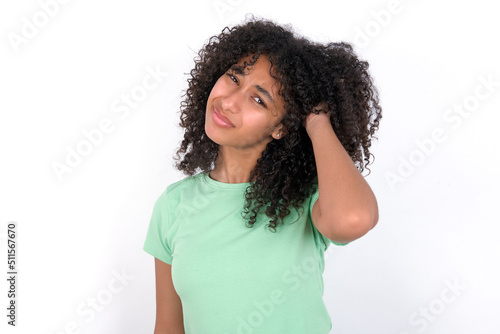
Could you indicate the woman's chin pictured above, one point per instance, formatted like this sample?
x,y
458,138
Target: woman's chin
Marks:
x,y
212,135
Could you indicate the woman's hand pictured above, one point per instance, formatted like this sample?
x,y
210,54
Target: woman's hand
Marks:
x,y
320,114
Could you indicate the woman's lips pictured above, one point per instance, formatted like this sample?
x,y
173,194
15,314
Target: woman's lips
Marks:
x,y
220,119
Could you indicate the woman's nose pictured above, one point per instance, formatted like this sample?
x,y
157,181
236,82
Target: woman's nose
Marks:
x,y
232,101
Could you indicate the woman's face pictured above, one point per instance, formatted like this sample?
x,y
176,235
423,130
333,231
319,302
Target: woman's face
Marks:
x,y
249,107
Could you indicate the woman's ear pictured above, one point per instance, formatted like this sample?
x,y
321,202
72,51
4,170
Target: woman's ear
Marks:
x,y
280,132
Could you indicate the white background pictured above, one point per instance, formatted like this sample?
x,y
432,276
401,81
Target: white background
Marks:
x,y
438,224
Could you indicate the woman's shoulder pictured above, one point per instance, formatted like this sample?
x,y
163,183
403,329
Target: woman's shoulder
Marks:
x,y
173,191
183,183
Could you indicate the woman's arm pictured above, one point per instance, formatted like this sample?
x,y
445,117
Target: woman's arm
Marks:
x,y
169,318
346,208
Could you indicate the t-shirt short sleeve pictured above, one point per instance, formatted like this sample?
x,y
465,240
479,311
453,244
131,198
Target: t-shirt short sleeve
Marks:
x,y
320,239
156,242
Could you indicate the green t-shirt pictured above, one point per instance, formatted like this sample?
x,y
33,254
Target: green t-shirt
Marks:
x,y
233,279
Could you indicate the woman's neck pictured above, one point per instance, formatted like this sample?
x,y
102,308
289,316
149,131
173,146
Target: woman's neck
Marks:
x,y
234,166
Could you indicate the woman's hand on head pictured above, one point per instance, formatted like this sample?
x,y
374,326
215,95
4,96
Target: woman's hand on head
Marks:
x,y
319,115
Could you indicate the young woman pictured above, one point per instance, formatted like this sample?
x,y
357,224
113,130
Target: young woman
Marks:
x,y
279,128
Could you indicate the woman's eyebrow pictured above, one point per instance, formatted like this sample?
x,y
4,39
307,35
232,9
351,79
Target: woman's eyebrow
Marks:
x,y
265,92
239,70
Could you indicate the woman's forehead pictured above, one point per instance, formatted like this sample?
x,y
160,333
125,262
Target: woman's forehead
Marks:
x,y
251,59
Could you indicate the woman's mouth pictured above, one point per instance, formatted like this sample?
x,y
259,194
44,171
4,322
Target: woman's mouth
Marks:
x,y
220,119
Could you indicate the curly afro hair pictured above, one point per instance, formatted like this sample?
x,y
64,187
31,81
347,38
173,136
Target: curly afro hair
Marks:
x,y
309,73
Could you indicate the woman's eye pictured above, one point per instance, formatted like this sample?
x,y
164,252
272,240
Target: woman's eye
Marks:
x,y
259,101
232,77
